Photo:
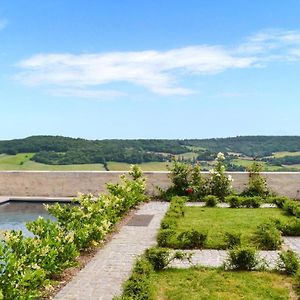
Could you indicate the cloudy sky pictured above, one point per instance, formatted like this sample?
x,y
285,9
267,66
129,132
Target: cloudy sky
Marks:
x,y
149,69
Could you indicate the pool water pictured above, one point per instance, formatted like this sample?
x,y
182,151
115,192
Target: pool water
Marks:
x,y
14,215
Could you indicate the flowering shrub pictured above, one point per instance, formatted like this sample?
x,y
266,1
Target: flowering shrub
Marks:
x,y
27,263
257,185
220,184
186,181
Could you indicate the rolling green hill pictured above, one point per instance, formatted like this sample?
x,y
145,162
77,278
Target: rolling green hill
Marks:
x,y
277,153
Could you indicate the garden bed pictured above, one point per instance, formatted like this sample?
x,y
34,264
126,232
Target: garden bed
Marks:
x,y
219,221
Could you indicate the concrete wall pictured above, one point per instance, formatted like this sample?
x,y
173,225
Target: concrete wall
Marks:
x,y
66,184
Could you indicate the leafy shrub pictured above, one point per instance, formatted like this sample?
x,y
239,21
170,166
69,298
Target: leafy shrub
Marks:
x,y
243,258
289,228
27,263
186,181
288,262
160,258
211,200
292,208
268,237
234,201
179,175
138,284
257,185
253,202
219,182
192,239
232,240
164,236
279,201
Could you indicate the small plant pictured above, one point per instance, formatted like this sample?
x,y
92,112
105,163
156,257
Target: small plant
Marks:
x,y
211,200
220,183
243,258
192,239
234,201
268,237
232,240
160,258
257,185
164,236
288,262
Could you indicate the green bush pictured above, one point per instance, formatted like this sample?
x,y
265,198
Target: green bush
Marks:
x,y
211,200
192,239
288,262
243,258
253,202
234,201
292,208
268,236
158,257
164,236
279,201
219,182
232,240
137,285
257,185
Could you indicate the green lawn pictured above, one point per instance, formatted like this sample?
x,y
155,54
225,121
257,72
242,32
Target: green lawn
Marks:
x,y
215,284
22,161
217,221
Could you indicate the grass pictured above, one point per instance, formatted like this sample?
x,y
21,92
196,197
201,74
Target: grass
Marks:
x,y
217,221
22,162
286,153
187,155
150,166
247,163
197,284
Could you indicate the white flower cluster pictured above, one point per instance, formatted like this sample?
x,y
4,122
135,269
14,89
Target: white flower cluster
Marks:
x,y
220,156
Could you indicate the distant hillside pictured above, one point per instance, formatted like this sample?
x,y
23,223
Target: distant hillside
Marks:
x,y
58,150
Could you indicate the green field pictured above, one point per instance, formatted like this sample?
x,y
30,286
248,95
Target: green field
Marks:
x,y
208,284
217,221
150,166
285,153
22,162
187,155
266,167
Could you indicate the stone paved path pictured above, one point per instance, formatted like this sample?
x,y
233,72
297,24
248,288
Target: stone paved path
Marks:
x,y
216,258
103,276
225,205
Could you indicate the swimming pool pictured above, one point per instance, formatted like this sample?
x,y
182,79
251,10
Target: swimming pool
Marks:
x,y
14,215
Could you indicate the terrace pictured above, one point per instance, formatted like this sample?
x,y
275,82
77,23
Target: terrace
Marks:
x,y
135,231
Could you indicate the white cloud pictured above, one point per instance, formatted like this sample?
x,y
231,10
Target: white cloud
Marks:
x,y
157,71
3,23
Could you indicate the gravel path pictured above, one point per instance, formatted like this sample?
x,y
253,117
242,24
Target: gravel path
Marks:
x,y
103,276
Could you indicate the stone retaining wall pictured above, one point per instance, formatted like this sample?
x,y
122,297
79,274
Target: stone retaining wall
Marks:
x,y
66,184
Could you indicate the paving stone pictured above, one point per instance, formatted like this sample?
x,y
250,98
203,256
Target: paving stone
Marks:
x,y
102,277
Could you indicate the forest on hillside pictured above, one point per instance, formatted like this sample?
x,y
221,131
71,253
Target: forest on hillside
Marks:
x,y
58,150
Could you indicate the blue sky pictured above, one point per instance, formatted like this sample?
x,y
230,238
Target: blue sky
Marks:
x,y
149,69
